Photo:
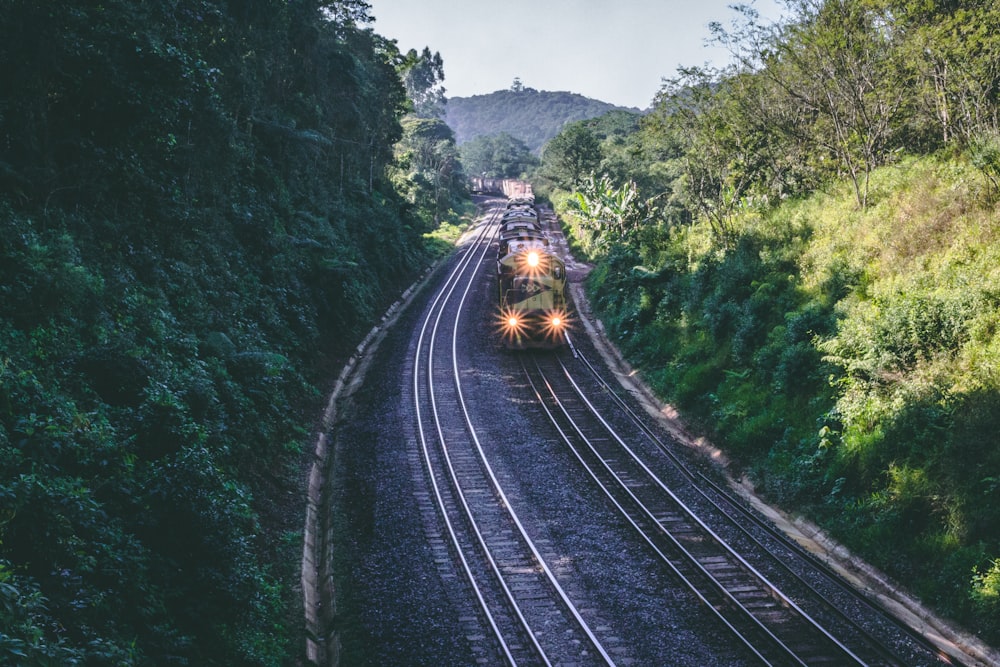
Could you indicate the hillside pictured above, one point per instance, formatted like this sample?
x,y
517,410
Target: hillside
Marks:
x,y
817,292
847,361
533,116
190,243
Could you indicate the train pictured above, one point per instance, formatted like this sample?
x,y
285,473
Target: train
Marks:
x,y
507,187
531,280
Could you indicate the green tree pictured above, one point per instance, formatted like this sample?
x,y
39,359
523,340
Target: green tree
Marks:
x,y
429,157
722,160
497,156
952,50
572,155
423,75
836,62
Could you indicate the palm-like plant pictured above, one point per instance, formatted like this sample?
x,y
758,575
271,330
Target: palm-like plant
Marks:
x,y
609,213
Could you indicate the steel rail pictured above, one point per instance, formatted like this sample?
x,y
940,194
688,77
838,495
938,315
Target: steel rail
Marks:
x,y
567,603
728,550
470,575
699,479
448,299
451,468
642,533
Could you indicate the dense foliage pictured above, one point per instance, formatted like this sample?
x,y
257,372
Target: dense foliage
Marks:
x,y
497,156
805,262
432,175
198,217
610,144
529,115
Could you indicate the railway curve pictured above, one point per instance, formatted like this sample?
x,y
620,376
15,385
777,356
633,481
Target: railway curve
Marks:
x,y
399,593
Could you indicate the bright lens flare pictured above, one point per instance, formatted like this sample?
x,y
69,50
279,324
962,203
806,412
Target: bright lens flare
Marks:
x,y
510,325
555,325
533,259
534,328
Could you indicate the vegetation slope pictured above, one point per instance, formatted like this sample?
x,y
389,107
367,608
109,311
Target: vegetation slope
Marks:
x,y
801,253
203,205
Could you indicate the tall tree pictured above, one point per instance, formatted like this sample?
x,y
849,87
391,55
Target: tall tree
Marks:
x,y
722,161
835,60
428,155
953,52
423,75
572,155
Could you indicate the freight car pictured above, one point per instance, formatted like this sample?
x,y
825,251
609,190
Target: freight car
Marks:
x,y
506,187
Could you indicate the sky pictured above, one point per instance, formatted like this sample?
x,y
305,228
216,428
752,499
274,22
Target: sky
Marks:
x,y
616,51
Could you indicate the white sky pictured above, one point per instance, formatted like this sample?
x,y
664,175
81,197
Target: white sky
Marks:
x,y
616,51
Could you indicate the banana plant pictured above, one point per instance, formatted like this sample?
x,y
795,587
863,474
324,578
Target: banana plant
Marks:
x,y
611,214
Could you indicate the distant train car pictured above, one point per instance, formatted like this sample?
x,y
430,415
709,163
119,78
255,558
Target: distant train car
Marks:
x,y
531,280
487,186
506,187
516,189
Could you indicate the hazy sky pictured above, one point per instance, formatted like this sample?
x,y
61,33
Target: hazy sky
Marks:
x,y
616,51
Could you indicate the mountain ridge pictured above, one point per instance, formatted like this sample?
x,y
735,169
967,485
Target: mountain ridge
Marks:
x,y
533,116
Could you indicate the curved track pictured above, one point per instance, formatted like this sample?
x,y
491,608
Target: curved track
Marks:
x,y
801,625
530,619
787,555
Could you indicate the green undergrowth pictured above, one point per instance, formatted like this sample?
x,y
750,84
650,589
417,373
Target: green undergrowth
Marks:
x,y
441,241
848,360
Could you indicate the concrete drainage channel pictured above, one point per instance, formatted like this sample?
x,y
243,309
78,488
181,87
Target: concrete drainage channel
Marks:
x,y
317,580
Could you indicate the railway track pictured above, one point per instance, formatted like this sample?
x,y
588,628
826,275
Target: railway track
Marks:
x,y
526,615
785,553
505,539
561,528
795,624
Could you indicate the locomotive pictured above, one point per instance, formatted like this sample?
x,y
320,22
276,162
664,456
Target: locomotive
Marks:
x,y
531,279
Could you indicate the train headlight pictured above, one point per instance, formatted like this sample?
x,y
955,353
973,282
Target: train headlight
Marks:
x,y
533,259
510,324
555,324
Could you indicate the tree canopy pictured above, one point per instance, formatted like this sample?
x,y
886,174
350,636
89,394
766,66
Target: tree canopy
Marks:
x,y
423,76
497,156
201,213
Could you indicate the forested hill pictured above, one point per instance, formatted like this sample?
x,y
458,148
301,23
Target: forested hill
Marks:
x,y
533,116
200,214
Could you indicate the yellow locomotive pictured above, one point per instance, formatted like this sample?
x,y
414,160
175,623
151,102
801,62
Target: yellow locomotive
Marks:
x,y
532,284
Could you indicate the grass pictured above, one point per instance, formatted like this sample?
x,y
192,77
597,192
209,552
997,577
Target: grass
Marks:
x,y
849,359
